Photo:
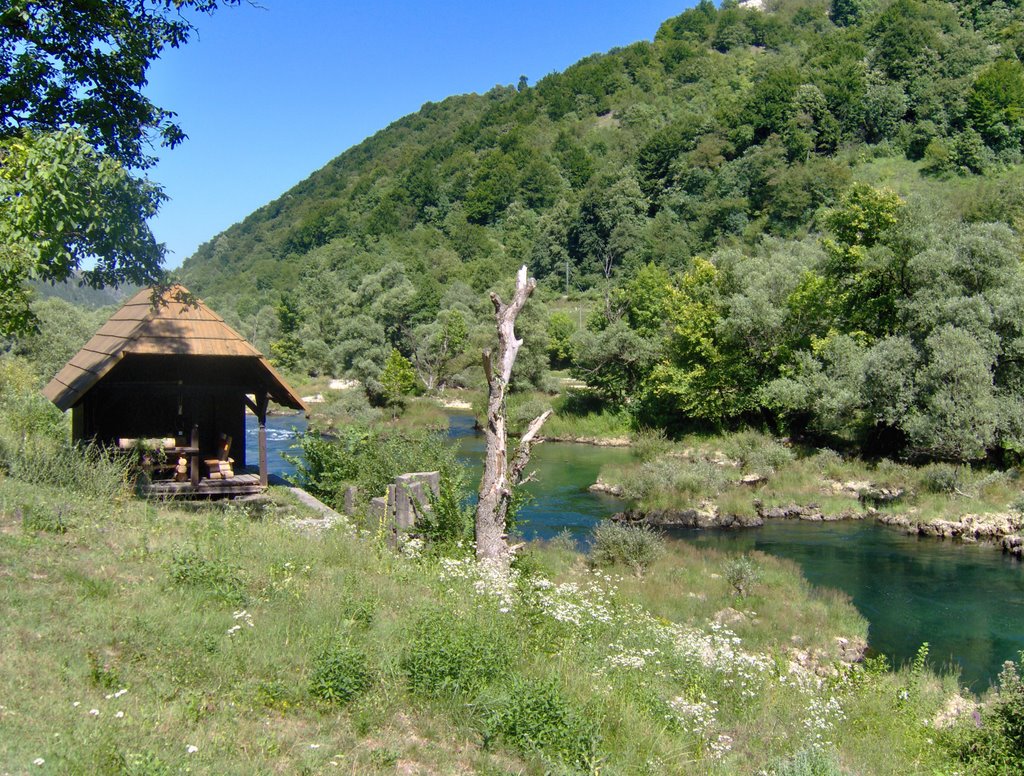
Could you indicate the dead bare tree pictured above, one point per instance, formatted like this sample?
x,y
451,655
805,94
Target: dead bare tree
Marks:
x,y
502,475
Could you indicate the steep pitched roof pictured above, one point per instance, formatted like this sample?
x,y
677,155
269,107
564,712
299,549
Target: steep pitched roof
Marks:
x,y
169,328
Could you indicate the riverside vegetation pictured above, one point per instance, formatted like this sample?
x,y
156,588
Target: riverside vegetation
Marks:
x,y
220,639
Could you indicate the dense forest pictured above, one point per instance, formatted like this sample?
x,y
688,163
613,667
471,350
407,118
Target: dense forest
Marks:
x,y
801,216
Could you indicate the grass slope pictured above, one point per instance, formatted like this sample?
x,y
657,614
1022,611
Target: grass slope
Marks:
x,y
155,639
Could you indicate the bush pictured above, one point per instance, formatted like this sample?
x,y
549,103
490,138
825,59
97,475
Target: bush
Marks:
x,y
522,411
633,546
757,452
35,444
369,459
650,444
676,477
216,576
811,761
742,573
451,519
340,673
42,518
940,478
534,717
456,656
828,462
994,744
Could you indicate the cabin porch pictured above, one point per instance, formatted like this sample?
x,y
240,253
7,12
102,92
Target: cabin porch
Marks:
x,y
244,483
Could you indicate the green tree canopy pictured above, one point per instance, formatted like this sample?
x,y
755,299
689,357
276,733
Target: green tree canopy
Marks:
x,y
75,127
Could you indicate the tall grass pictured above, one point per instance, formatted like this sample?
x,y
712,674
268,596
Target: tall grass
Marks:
x,y
35,443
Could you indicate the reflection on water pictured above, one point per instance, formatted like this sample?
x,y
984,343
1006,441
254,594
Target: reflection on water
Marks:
x,y
967,602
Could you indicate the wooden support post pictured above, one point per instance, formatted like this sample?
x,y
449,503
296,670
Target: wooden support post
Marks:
x,y
261,418
193,458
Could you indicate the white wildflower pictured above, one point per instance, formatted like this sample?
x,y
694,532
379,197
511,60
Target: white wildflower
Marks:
x,y
191,749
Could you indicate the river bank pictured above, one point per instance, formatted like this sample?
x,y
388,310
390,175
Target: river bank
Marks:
x,y
743,480
1000,529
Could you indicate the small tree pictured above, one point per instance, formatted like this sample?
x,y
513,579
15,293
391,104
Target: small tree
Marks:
x,y
397,381
437,345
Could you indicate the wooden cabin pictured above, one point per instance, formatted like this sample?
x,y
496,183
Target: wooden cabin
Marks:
x,y
175,372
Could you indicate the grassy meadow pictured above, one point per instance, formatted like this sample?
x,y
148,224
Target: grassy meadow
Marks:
x,y
145,638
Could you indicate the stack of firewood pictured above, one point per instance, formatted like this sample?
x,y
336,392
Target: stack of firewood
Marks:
x,y
220,470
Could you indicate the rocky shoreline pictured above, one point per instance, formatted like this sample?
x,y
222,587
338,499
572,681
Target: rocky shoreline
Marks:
x,y
1002,529
708,515
595,441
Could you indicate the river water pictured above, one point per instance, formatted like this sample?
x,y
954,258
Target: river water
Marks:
x,y
967,602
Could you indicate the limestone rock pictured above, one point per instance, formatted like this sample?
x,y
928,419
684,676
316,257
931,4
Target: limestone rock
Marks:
x,y
851,650
606,487
729,616
956,707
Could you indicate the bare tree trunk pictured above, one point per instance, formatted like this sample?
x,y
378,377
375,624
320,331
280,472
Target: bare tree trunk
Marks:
x,y
500,475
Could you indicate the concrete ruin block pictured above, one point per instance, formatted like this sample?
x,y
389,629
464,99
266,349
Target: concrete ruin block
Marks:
x,y
351,494
413,492
390,521
376,511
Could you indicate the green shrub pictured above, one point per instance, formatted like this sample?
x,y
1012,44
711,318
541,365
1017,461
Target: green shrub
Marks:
x,y
451,519
191,569
39,517
370,459
992,742
522,411
811,761
940,478
828,462
633,546
649,444
35,444
757,452
456,656
1018,504
340,673
536,718
742,574
85,469
677,477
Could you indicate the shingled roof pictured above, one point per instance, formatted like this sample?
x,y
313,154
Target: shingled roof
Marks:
x,y
172,328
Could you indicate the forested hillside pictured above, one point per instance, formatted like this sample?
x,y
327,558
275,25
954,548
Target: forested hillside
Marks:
x,y
804,216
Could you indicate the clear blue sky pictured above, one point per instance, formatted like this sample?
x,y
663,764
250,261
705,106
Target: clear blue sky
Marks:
x,y
269,95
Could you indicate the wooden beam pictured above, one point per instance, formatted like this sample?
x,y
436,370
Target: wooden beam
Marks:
x,y
261,418
193,461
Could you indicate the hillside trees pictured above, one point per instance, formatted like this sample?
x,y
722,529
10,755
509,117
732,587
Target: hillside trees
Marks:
x,y
748,157
75,126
